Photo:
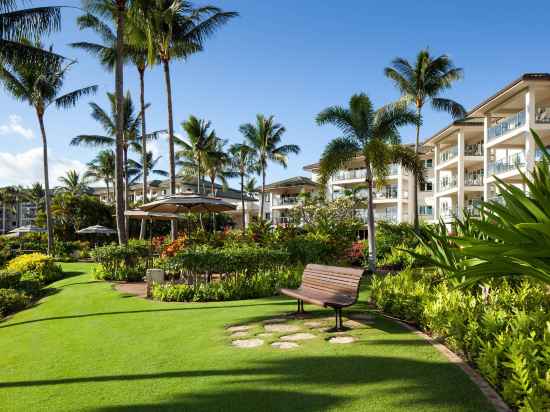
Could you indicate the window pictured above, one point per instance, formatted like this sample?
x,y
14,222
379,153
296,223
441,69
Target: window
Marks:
x,y
426,187
427,163
268,216
425,210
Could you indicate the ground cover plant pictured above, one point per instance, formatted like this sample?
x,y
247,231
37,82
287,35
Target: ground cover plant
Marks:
x,y
135,354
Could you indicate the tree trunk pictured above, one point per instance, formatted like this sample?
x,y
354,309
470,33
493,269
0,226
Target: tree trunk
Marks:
x,y
46,185
198,174
171,154
414,194
126,187
242,203
143,145
108,191
370,222
119,149
263,191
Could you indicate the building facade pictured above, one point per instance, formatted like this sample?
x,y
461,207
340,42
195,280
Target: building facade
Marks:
x,y
16,214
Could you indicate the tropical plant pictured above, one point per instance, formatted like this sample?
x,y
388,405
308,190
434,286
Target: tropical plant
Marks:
x,y
217,165
174,29
243,162
423,82
74,183
17,24
35,195
102,168
372,134
39,85
265,138
136,171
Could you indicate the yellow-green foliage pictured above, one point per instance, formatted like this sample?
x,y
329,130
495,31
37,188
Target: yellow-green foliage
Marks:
x,y
36,266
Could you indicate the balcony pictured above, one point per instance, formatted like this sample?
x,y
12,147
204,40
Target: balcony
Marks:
x,y
473,149
448,183
286,201
391,216
473,179
497,198
393,170
506,164
387,194
449,212
350,175
448,154
282,220
506,125
473,210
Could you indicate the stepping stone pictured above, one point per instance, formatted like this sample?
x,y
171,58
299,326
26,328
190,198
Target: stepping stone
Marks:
x,y
298,336
313,324
265,335
353,324
284,345
238,328
247,343
341,339
281,328
275,320
239,334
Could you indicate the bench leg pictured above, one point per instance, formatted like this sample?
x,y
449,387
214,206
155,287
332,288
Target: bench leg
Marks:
x,y
338,312
300,306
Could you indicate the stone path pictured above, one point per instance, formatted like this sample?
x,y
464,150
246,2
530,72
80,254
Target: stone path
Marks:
x,y
298,336
247,343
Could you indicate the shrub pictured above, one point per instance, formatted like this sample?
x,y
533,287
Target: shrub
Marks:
x,y
12,300
313,248
121,262
9,279
36,266
234,287
207,260
503,327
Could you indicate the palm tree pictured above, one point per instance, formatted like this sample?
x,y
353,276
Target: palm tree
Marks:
x,y
73,183
374,135
264,137
102,168
136,170
423,82
174,29
242,161
250,185
217,165
39,85
17,24
201,142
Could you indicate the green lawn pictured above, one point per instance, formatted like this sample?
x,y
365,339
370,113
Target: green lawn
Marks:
x,y
87,347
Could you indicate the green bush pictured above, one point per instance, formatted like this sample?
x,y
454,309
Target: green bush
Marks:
x,y
117,262
207,260
36,266
234,287
12,300
310,248
503,328
9,279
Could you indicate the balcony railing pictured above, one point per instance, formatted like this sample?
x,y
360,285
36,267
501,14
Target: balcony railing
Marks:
x,y
362,215
473,180
285,201
506,125
386,194
393,170
509,163
542,115
497,198
448,183
448,154
473,149
282,220
350,174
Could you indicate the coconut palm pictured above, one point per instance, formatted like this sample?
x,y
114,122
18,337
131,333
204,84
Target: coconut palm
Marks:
x,y
73,183
39,85
201,141
250,185
102,168
17,24
372,134
423,82
243,161
174,29
265,137
136,170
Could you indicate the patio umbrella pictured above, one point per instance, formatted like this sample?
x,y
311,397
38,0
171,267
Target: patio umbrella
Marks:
x,y
150,216
194,203
96,230
27,229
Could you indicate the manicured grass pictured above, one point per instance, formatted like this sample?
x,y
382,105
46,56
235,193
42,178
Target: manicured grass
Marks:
x,y
87,347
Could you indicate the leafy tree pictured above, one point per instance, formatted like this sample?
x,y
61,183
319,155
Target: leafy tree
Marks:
x,y
265,138
242,162
39,84
372,134
74,183
423,82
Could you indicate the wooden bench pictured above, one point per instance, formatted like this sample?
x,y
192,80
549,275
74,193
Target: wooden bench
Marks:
x,y
327,286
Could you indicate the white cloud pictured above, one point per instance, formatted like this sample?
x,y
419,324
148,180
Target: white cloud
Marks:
x,y
26,168
14,127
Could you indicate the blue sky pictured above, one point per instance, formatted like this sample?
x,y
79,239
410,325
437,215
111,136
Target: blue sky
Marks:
x,y
290,59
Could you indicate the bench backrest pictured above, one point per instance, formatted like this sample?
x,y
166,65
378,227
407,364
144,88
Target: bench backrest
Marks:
x,y
332,279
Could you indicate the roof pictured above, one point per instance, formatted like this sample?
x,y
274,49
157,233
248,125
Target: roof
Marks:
x,y
525,77
291,182
311,166
468,122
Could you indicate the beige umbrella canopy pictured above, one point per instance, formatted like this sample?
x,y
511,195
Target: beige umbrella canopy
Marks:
x,y
27,229
96,230
143,215
189,204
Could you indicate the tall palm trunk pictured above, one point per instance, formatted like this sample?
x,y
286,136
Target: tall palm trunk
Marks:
x,y
171,154
243,213
126,187
119,150
108,191
263,192
198,174
141,71
370,221
46,183
415,184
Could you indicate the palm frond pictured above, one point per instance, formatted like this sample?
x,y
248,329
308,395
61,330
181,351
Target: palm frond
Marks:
x,y
71,99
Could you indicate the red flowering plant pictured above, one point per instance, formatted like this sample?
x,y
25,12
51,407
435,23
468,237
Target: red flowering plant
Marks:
x,y
356,253
175,246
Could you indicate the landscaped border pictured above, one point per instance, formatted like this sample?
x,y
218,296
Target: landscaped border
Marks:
x,y
487,390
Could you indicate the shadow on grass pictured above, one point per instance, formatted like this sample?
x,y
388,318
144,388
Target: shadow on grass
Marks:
x,y
131,312
425,382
